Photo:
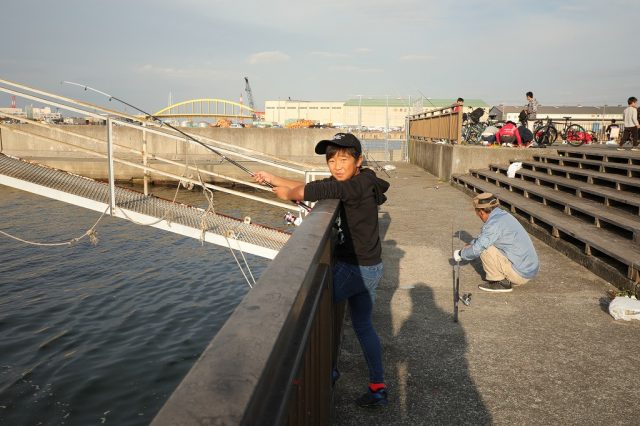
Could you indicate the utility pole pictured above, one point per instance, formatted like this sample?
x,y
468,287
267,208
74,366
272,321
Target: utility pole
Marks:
x,y
386,129
360,113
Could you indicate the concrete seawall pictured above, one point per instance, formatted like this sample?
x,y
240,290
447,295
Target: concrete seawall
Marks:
x,y
41,144
443,160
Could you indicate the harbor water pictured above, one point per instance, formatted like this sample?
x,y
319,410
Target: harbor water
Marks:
x,y
103,334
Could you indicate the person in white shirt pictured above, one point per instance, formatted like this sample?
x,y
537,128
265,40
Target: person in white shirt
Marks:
x,y
631,124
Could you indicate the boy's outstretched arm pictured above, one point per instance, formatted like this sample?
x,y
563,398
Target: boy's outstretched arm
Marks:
x,y
290,194
276,181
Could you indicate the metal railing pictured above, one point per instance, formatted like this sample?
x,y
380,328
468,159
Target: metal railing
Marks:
x,y
136,156
271,362
385,149
437,124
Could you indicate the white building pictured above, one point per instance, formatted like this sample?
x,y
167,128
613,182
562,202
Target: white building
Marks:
x,y
372,113
44,114
285,111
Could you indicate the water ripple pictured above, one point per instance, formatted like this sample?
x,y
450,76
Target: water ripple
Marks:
x,y
103,335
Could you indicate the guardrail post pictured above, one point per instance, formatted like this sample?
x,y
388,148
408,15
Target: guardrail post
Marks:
x,y
145,160
112,186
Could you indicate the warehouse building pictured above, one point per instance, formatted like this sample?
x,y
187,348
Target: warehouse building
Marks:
x,y
372,113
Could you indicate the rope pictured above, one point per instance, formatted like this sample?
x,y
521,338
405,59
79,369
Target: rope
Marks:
x,y
164,216
239,265
91,233
208,194
248,268
203,228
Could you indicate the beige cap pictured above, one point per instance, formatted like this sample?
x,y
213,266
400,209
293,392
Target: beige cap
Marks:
x,y
484,200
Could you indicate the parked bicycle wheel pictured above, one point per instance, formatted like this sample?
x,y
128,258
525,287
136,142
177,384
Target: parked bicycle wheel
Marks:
x,y
576,135
474,137
465,133
545,135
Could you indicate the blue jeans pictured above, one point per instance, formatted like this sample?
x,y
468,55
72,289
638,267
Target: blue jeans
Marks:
x,y
358,285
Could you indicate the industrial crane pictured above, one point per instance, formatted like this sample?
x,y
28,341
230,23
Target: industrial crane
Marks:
x,y
247,88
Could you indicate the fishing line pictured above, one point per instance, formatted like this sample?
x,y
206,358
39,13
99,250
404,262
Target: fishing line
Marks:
x,y
188,136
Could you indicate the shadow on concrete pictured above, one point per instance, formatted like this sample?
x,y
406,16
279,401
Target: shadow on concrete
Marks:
x,y
424,355
464,236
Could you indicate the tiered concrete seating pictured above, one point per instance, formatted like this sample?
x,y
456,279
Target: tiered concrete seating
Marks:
x,y
583,201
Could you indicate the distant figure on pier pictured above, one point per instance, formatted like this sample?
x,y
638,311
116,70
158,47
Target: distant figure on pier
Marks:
x,y
531,110
508,134
507,253
458,105
358,268
612,128
631,124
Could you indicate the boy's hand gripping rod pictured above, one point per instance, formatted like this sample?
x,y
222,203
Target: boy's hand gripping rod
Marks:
x,y
188,136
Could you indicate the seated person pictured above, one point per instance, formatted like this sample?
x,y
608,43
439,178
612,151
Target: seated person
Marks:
x,y
508,134
610,129
507,253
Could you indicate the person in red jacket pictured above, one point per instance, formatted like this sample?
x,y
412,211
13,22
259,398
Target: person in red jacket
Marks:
x,y
508,134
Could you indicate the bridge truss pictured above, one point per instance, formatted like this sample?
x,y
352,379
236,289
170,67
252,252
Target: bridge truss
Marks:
x,y
207,108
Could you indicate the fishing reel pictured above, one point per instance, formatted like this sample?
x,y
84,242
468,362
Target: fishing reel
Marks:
x,y
291,219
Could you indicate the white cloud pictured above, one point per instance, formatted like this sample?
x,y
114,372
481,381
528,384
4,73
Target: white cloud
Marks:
x,y
328,54
363,50
355,69
194,73
416,57
272,57
163,71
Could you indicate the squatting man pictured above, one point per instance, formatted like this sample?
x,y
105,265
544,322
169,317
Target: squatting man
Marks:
x,y
504,247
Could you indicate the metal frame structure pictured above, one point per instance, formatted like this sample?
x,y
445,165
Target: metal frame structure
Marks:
x,y
140,158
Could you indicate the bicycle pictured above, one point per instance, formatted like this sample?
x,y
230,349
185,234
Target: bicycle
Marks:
x,y
546,133
472,127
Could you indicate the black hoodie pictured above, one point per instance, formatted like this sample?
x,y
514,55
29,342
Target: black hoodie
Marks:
x,y
361,195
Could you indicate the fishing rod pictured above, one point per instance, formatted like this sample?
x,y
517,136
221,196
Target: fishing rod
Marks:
x,y
188,136
466,297
378,166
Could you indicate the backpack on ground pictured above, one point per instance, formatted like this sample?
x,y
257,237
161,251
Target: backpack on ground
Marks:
x,y
525,134
522,117
476,114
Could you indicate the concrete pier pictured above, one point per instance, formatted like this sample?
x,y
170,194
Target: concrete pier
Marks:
x,y
547,353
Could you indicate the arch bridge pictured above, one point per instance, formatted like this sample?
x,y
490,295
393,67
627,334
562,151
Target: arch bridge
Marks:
x,y
216,108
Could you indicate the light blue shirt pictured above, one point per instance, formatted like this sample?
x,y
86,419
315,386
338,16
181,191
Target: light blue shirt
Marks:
x,y
505,233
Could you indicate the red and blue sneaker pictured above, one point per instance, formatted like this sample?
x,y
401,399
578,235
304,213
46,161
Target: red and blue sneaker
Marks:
x,y
375,397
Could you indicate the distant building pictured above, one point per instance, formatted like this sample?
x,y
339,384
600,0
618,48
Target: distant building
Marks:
x,y
285,111
43,114
17,112
372,113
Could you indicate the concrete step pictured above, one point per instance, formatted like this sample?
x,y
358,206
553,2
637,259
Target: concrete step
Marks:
x,y
606,154
628,170
622,200
622,223
621,183
609,248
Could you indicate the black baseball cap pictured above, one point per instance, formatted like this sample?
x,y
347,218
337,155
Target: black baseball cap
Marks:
x,y
345,140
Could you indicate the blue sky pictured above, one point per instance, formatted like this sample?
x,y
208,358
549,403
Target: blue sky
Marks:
x,y
566,52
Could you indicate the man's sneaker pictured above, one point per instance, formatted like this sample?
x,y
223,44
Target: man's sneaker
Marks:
x,y
373,399
503,286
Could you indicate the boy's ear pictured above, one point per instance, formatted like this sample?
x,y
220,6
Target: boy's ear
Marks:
x,y
359,161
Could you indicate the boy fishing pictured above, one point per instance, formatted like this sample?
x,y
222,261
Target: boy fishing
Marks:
x,y
358,267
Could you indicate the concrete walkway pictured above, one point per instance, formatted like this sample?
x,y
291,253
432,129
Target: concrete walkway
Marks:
x,y
547,353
